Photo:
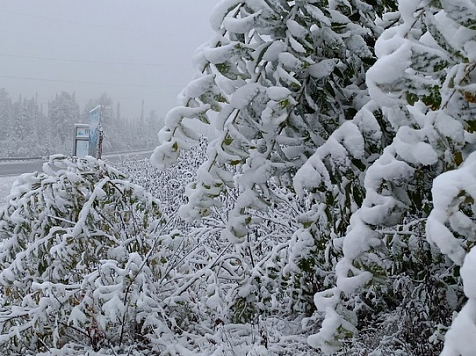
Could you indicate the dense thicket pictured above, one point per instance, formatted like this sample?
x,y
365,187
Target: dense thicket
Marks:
x,y
334,211
302,108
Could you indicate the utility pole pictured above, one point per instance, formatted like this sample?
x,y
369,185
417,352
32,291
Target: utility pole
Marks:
x,y
101,137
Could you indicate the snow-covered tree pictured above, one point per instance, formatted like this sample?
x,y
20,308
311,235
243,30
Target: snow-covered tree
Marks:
x,y
25,140
6,122
24,132
282,77
424,82
287,80
63,113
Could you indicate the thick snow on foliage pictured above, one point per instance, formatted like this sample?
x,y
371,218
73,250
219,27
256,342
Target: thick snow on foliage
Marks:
x,y
425,94
445,223
446,219
79,257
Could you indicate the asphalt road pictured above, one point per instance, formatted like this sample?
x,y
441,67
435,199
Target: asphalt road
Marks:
x,y
15,168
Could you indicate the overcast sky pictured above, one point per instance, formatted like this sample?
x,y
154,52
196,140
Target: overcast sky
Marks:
x,y
130,49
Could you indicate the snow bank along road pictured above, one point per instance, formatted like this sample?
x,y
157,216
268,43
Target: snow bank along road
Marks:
x,y
15,168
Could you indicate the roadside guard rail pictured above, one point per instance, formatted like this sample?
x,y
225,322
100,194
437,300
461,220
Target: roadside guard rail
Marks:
x,y
45,158
21,159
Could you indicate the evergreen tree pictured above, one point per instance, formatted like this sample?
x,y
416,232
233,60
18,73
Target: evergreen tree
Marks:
x,y
6,122
24,137
63,113
45,133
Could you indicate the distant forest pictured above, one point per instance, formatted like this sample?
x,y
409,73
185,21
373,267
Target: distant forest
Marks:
x,y
27,129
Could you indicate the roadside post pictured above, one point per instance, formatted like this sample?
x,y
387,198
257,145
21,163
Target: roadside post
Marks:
x,y
81,140
94,131
101,138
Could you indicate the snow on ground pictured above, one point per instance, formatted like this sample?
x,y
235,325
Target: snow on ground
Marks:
x,y
5,185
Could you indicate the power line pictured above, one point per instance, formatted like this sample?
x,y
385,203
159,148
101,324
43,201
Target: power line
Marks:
x,y
87,82
57,20
79,60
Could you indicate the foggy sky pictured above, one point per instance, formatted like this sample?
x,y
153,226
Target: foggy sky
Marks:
x,y
130,49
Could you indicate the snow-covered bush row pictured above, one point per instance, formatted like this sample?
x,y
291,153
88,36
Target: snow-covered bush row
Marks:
x,y
213,299
90,264
167,186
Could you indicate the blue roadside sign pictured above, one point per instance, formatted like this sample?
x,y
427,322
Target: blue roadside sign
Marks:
x,y
94,122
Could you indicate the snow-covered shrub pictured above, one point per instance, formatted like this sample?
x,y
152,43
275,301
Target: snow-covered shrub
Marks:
x,y
423,80
87,257
302,107
276,82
